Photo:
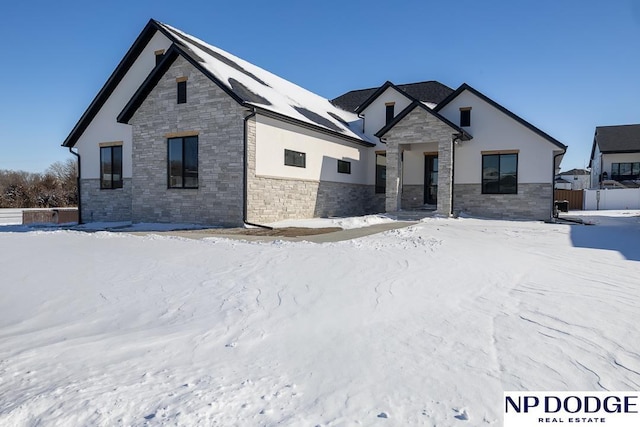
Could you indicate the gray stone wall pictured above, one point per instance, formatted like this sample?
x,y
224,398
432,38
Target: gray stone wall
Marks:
x,y
412,196
272,199
418,127
532,202
218,119
105,205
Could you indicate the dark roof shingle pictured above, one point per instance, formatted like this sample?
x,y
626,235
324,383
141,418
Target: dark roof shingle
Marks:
x,y
429,91
620,139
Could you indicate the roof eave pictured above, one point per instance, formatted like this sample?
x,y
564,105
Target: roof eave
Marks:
x,y
499,107
112,82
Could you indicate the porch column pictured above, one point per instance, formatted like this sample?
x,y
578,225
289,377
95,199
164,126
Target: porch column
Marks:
x,y
392,192
445,176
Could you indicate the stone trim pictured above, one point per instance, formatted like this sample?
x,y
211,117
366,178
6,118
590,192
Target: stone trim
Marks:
x,y
182,134
110,144
181,79
489,152
465,108
158,52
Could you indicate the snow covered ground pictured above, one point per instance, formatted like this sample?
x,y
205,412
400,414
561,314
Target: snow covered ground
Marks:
x,y
425,325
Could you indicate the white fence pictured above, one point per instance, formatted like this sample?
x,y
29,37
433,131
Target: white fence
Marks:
x,y
612,198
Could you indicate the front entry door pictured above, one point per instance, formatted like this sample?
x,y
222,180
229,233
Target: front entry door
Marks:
x,y
430,179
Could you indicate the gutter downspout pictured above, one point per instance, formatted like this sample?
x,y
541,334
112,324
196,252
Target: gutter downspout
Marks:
x,y
245,186
78,186
553,183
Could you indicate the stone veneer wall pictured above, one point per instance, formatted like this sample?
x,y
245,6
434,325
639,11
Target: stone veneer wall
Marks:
x,y
218,119
272,199
412,196
417,127
533,202
105,205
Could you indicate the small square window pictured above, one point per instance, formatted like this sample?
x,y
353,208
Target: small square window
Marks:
x,y
344,166
159,55
465,117
295,158
182,92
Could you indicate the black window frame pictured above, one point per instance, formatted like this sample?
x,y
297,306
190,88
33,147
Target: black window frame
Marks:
x,y
465,117
182,92
344,166
113,184
381,174
498,182
294,158
617,176
185,175
389,113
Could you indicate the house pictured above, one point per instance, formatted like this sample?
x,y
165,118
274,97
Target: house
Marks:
x,y
577,179
183,131
615,157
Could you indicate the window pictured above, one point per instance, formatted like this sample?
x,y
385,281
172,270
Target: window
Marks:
x,y
182,162
390,107
182,90
295,158
625,171
381,172
159,55
344,166
111,167
500,173
465,117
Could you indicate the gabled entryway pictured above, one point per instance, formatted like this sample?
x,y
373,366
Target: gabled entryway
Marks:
x,y
420,133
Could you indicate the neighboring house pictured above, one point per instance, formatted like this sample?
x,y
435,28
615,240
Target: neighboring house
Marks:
x,y
578,179
562,184
185,132
615,156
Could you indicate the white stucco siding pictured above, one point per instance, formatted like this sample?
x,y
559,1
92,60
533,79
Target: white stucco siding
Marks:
x,y
322,153
608,159
376,113
104,128
413,162
493,130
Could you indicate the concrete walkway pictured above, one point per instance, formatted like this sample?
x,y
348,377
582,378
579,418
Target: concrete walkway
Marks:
x,y
335,236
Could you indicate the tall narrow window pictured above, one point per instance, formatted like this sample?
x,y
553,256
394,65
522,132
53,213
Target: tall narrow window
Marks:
x,y
295,158
381,172
465,117
390,112
182,90
111,167
159,55
500,173
183,162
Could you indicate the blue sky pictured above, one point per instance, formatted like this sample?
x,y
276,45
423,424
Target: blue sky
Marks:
x,y
565,66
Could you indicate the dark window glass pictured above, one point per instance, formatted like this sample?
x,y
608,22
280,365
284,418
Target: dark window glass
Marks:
x,y
295,158
381,172
465,118
625,171
159,57
182,164
390,113
500,174
344,166
182,92
111,167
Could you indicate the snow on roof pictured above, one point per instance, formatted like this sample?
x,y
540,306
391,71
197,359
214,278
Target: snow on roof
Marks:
x,y
267,91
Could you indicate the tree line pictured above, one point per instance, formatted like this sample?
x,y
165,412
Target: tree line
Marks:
x,y
56,187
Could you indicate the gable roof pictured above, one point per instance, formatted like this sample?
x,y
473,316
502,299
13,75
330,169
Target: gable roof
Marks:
x,y
617,139
246,83
464,135
575,172
429,91
499,107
